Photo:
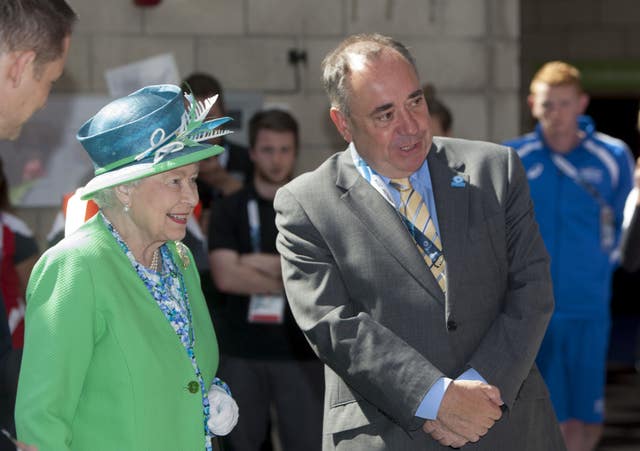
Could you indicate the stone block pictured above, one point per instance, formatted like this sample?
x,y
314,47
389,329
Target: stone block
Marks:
x,y
317,49
295,17
506,69
451,63
505,123
250,63
196,17
401,18
506,18
77,71
469,112
113,16
462,18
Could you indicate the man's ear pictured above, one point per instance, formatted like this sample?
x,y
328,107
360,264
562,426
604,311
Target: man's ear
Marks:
x,y
531,98
341,122
20,62
584,102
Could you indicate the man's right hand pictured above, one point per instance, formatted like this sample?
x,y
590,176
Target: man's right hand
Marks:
x,y
470,408
443,435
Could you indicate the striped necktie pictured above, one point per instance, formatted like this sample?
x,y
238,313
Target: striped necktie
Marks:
x,y
418,219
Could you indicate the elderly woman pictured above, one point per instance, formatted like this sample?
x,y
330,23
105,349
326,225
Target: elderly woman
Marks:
x,y
120,352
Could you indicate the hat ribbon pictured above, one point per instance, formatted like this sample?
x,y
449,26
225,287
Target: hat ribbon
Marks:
x,y
193,129
157,138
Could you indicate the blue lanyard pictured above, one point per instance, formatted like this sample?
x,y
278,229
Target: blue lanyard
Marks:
x,y
425,243
254,224
571,171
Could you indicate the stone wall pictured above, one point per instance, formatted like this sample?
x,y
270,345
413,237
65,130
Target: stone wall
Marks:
x,y
467,48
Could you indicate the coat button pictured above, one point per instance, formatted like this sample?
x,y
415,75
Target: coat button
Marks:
x,y
193,387
452,325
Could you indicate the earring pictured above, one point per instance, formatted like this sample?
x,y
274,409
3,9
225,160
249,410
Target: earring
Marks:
x,y
125,209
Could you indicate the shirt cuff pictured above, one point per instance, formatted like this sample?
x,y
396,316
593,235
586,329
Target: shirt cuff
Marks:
x,y
428,408
471,375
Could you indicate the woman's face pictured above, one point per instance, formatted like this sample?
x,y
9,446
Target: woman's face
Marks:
x,y
161,204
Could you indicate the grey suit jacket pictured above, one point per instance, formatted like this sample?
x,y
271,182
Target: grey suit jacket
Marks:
x,y
373,312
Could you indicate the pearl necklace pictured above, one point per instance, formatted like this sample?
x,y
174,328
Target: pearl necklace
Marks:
x,y
155,261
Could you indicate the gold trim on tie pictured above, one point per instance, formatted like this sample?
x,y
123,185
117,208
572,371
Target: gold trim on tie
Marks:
x,y
415,210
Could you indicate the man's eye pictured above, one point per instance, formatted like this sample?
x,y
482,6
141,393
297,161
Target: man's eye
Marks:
x,y
385,117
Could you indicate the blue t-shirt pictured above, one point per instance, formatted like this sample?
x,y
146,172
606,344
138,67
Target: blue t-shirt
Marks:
x,y
570,216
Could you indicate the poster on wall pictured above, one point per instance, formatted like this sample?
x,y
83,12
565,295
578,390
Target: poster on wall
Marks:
x,y
156,70
47,161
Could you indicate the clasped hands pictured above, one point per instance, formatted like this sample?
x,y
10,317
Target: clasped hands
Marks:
x,y
467,411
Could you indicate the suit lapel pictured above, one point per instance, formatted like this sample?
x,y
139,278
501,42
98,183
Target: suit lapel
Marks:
x,y
383,222
451,193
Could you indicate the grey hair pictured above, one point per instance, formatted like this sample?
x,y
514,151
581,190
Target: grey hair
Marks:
x,y
336,66
38,25
107,198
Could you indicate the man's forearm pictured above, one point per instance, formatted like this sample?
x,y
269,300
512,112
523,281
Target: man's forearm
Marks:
x,y
268,264
246,280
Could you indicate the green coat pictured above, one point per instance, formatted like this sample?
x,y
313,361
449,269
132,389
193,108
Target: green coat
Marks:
x,y
102,368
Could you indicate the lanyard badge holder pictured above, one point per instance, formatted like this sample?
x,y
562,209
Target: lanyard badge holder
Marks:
x,y
263,308
607,227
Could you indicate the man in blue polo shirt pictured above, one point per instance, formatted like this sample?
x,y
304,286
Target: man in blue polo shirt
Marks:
x,y
579,181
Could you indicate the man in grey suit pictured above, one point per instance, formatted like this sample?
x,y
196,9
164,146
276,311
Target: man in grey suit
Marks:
x,y
428,339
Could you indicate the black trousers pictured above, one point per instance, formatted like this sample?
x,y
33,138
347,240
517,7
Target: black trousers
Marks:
x,y
292,389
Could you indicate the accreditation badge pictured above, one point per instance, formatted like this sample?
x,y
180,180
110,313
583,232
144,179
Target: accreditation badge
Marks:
x,y
266,309
607,228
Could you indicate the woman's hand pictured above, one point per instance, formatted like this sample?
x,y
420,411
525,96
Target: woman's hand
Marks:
x,y
223,410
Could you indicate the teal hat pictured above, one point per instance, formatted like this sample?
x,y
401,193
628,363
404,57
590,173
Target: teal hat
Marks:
x,y
146,133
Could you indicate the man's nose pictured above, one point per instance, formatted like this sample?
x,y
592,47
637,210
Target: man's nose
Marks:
x,y
408,123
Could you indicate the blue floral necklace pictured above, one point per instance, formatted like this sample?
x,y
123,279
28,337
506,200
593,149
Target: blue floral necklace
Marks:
x,y
169,291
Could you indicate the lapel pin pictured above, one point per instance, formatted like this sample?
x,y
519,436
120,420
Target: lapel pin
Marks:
x,y
457,182
183,252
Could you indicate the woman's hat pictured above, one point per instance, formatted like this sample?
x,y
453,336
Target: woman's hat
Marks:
x,y
146,133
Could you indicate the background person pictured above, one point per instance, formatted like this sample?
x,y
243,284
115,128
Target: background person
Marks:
x,y
115,317
630,247
415,269
264,352
579,180
440,114
18,254
34,40
222,174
